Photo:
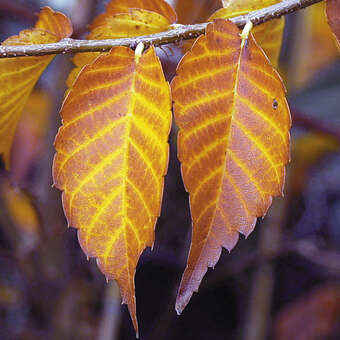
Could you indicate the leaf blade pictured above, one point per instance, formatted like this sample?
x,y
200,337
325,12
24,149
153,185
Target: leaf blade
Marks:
x,y
224,141
19,76
118,7
135,22
117,139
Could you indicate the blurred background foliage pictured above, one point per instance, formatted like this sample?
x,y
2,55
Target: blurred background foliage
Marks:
x,y
283,283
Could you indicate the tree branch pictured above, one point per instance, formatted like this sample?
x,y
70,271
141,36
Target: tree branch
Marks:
x,y
177,34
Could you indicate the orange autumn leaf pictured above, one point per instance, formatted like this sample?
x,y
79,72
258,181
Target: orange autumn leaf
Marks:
x,y
233,142
112,155
123,20
19,75
161,7
118,7
135,22
56,23
268,35
333,17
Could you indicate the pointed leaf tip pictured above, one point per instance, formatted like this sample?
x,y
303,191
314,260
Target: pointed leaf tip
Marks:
x,y
232,144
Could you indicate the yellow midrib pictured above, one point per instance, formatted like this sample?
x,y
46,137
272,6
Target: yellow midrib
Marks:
x,y
227,143
126,162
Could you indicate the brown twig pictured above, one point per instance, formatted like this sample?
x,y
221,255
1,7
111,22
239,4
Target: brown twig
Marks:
x,y
177,34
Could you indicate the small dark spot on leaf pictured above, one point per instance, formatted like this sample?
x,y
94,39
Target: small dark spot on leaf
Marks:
x,y
275,104
137,27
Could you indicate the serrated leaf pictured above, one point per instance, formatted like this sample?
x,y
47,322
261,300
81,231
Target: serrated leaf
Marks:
x,y
233,142
268,35
112,155
19,75
124,19
333,17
